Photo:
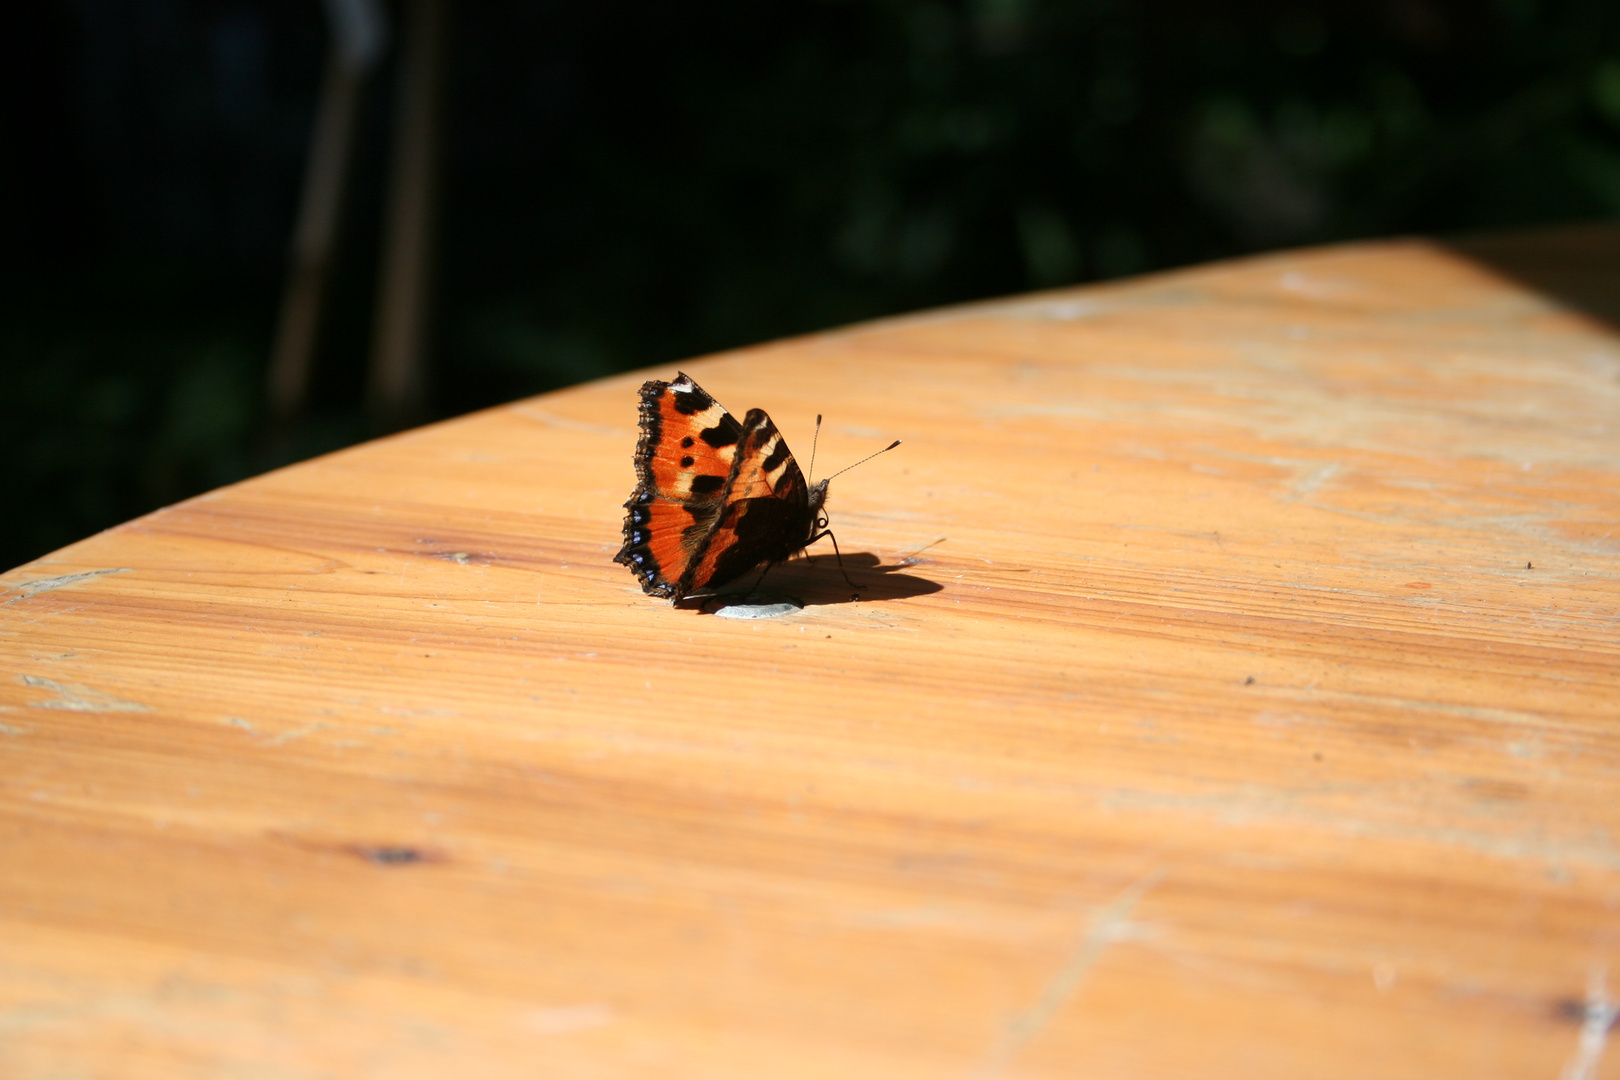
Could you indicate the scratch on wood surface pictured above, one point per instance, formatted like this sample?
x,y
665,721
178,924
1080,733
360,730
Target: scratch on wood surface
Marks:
x,y
79,698
1300,806
1599,1016
1109,925
563,1019
294,733
1311,482
551,419
46,584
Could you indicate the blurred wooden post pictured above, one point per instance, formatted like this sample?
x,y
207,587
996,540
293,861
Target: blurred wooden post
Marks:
x,y
397,383
359,33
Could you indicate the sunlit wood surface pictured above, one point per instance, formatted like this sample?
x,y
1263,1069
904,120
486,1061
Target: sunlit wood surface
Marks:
x,y
1234,692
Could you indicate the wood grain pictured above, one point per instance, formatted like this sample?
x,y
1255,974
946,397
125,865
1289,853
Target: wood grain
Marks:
x,y
1234,692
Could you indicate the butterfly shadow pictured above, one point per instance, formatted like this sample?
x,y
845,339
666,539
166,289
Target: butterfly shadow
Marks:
x,y
815,580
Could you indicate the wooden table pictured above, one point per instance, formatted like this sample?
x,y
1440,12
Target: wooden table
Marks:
x,y
1234,692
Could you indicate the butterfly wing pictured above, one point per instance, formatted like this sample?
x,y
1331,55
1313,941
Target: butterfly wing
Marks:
x,y
765,465
714,497
767,511
684,460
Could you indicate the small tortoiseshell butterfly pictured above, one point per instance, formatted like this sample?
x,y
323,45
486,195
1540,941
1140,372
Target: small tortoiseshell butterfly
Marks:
x,y
714,498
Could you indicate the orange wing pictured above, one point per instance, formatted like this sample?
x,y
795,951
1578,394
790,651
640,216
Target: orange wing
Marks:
x,y
765,467
767,516
715,497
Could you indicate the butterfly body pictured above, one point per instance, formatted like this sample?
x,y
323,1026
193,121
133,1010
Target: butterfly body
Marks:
x,y
714,498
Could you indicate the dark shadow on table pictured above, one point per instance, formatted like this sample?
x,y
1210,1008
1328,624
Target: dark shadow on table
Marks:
x,y
1577,266
815,581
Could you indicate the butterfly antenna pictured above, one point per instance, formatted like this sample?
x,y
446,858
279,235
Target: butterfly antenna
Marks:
x,y
814,439
865,459
910,558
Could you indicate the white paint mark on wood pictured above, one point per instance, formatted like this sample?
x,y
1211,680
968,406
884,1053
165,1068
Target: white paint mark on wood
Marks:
x,y
46,584
76,698
1600,1016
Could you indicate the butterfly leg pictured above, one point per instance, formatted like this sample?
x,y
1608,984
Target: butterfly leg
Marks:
x,y
836,554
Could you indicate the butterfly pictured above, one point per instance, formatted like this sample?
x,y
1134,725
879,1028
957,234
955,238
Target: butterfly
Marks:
x,y
714,498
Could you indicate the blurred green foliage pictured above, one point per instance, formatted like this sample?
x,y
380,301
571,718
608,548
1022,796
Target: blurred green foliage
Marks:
x,y
636,183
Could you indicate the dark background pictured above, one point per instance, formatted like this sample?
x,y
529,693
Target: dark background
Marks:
x,y
635,183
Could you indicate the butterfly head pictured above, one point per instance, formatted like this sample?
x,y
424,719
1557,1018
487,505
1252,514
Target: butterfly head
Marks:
x,y
818,503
